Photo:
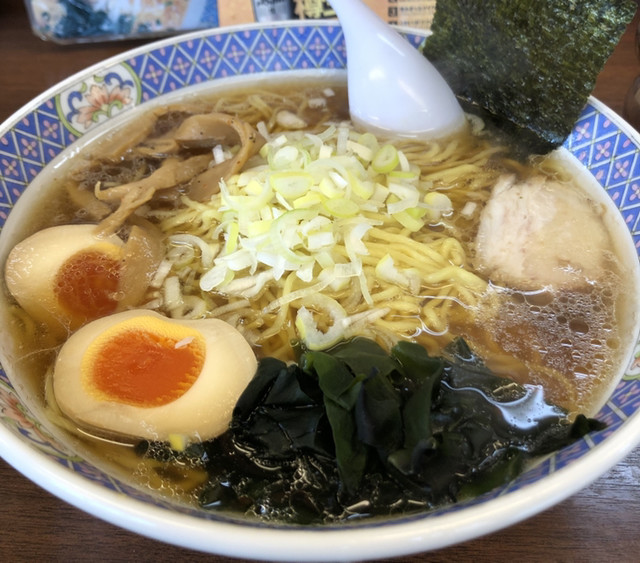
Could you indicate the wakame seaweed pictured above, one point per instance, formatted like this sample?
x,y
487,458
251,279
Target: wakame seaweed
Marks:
x,y
356,432
529,66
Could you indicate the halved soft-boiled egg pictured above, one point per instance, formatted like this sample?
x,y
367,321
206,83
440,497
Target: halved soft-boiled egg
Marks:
x,y
67,275
140,374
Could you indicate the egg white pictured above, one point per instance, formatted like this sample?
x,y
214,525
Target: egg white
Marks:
x,y
202,412
33,264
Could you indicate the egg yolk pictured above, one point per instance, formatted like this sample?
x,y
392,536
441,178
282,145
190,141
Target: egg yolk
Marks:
x,y
86,285
143,363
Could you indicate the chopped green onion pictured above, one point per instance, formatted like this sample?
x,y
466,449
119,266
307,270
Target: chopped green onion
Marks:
x,y
308,329
385,160
408,221
307,208
406,175
310,199
437,204
364,189
284,157
284,234
325,152
362,151
291,184
408,278
369,140
341,207
328,188
232,238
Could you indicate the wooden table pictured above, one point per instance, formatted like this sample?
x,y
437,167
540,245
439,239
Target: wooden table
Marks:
x,y
601,523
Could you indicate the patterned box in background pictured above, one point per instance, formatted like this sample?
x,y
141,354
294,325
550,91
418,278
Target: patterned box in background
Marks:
x,y
72,21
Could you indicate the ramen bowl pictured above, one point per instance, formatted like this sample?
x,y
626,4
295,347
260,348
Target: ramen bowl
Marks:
x,y
41,136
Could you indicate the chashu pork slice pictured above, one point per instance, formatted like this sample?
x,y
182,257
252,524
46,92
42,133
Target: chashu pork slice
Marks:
x,y
541,233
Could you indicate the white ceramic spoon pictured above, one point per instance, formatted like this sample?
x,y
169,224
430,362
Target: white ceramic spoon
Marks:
x,y
392,87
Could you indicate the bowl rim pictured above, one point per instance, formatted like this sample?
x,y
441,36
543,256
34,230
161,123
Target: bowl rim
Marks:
x,y
391,538
166,41
371,541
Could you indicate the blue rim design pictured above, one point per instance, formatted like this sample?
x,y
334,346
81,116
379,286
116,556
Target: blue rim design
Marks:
x,y
34,138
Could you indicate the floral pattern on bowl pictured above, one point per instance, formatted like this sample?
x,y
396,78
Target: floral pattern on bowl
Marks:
x,y
97,99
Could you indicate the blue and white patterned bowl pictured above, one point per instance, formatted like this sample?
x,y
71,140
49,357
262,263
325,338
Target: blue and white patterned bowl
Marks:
x,y
42,130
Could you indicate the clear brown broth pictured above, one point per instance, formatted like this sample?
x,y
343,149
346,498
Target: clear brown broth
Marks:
x,y
570,342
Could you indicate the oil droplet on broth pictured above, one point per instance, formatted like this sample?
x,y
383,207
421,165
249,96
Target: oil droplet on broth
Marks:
x,y
579,325
550,333
172,481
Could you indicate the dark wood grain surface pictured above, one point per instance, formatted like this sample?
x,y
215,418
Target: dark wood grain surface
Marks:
x,y
600,523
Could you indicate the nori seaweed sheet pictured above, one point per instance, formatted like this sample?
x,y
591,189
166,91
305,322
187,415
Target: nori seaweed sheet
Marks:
x,y
528,65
